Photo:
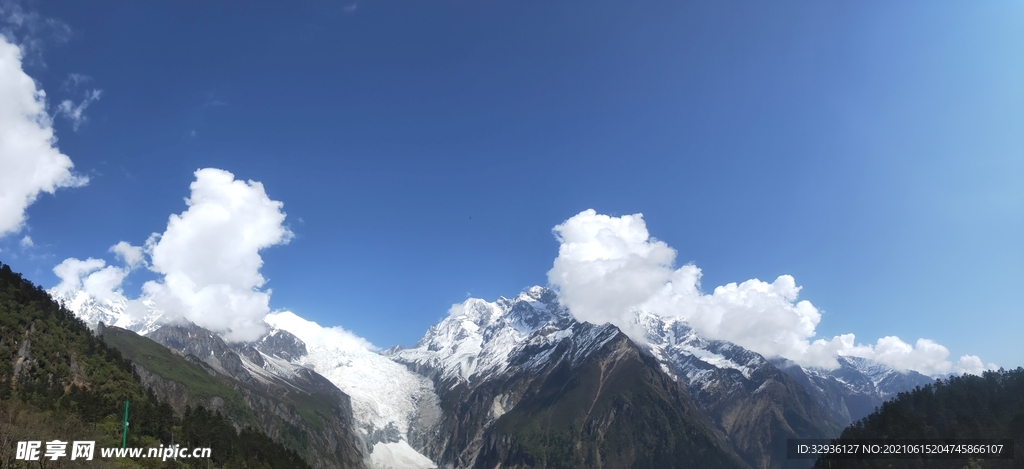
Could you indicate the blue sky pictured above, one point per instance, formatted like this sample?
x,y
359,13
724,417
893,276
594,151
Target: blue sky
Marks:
x,y
424,151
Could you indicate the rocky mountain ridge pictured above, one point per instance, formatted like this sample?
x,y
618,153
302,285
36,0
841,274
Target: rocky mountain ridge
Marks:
x,y
852,391
291,404
754,403
444,397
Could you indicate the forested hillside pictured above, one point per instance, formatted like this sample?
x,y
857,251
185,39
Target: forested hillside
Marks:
x,y
963,407
59,381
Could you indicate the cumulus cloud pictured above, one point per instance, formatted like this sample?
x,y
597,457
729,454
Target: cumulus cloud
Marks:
x,y
606,267
27,242
71,271
609,267
209,263
93,276
971,364
30,162
76,112
317,336
209,255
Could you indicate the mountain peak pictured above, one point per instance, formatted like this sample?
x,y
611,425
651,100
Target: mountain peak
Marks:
x,y
477,335
282,344
538,294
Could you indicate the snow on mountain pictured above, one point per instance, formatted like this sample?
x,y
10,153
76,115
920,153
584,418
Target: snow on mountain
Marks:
x,y
384,393
398,456
112,311
477,337
683,353
687,356
888,381
393,394
582,339
386,397
868,376
856,388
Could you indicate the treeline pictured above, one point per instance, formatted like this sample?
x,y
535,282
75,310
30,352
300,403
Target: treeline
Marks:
x,y
990,406
57,380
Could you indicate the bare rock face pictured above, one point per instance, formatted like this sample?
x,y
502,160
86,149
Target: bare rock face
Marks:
x,y
190,339
282,344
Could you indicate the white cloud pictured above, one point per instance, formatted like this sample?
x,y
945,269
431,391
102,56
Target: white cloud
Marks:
x,y
209,259
971,364
925,356
93,276
26,242
105,284
209,255
30,162
315,335
132,256
608,267
71,271
76,113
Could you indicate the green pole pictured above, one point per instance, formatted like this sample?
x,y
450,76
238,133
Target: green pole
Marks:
x,y
124,433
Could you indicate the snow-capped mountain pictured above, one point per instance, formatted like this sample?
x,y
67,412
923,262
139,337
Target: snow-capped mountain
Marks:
x,y
487,359
689,357
483,342
885,380
751,401
287,400
475,341
112,312
856,388
504,369
385,397
747,397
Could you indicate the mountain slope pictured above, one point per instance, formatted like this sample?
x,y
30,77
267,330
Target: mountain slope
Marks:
x,y
384,397
59,381
962,407
595,401
292,404
442,399
522,384
754,403
182,382
855,389
757,403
